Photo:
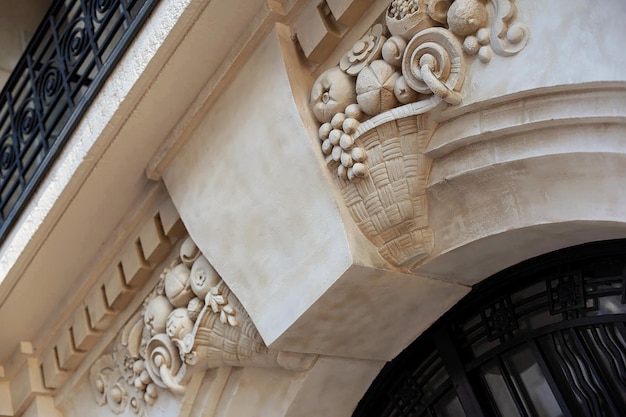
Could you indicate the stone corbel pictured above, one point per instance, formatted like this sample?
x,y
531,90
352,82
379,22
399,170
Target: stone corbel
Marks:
x,y
373,108
189,323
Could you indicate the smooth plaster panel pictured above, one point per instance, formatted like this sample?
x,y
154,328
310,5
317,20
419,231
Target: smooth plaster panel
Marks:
x,y
571,42
371,314
333,387
252,193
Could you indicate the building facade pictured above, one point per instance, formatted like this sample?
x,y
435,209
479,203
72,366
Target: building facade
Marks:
x,y
267,201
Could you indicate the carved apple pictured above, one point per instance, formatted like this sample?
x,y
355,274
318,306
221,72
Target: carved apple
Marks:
x,y
332,92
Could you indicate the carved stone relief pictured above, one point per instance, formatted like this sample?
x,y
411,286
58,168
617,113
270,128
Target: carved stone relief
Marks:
x,y
190,322
373,109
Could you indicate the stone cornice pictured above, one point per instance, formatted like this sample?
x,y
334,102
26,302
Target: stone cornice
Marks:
x,y
45,371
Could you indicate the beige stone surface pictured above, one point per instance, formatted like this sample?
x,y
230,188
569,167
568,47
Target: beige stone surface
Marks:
x,y
333,387
571,42
251,190
370,314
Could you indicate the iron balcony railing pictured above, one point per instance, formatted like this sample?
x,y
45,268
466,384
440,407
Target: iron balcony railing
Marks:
x,y
66,62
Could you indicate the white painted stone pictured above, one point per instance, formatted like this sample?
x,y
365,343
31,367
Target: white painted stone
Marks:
x,y
250,189
371,314
571,42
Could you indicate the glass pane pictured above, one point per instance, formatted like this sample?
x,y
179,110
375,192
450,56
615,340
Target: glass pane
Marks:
x,y
449,406
498,389
531,384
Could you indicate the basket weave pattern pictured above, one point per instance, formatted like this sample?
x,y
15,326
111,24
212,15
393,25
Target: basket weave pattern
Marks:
x,y
389,206
220,344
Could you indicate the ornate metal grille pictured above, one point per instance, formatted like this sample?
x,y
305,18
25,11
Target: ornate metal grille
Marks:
x,y
64,65
546,338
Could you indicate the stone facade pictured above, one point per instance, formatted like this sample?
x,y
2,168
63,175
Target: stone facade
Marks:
x,y
268,202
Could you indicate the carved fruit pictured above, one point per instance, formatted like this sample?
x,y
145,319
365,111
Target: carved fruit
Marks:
x,y
374,88
403,92
177,287
202,277
155,315
332,92
407,17
179,324
466,16
393,49
189,252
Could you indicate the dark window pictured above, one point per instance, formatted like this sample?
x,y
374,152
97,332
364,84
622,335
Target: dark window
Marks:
x,y
545,338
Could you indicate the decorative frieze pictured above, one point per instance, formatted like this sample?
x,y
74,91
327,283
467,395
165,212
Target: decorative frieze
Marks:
x,y
190,322
130,270
373,109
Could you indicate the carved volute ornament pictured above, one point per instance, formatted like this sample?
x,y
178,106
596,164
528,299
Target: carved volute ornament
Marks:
x,y
189,323
373,109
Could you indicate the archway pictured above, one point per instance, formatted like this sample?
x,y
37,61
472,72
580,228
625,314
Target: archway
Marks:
x,y
546,337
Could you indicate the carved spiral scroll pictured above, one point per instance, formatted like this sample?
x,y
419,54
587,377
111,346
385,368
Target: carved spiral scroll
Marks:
x,y
433,63
163,363
507,38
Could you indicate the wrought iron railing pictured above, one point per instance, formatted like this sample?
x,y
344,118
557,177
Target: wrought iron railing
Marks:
x,y
68,59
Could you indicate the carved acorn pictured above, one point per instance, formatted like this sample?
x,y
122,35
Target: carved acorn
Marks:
x,y
374,88
177,286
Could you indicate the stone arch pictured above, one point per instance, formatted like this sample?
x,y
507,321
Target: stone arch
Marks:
x,y
542,337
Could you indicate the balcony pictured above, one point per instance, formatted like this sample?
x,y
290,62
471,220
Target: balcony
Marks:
x,y
66,62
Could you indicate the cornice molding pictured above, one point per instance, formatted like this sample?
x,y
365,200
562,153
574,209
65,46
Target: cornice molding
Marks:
x,y
45,370
374,109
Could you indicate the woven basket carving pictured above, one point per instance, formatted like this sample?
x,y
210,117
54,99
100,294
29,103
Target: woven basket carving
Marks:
x,y
389,205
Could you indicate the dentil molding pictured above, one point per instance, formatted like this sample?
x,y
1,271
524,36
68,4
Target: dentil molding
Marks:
x,y
189,323
373,110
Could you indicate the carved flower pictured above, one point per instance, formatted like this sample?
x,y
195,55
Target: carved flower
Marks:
x,y
366,50
331,93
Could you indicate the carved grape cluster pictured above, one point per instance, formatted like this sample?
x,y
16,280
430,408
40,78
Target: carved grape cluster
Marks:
x,y
338,143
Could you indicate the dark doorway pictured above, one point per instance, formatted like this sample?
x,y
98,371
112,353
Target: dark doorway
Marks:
x,y
544,338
